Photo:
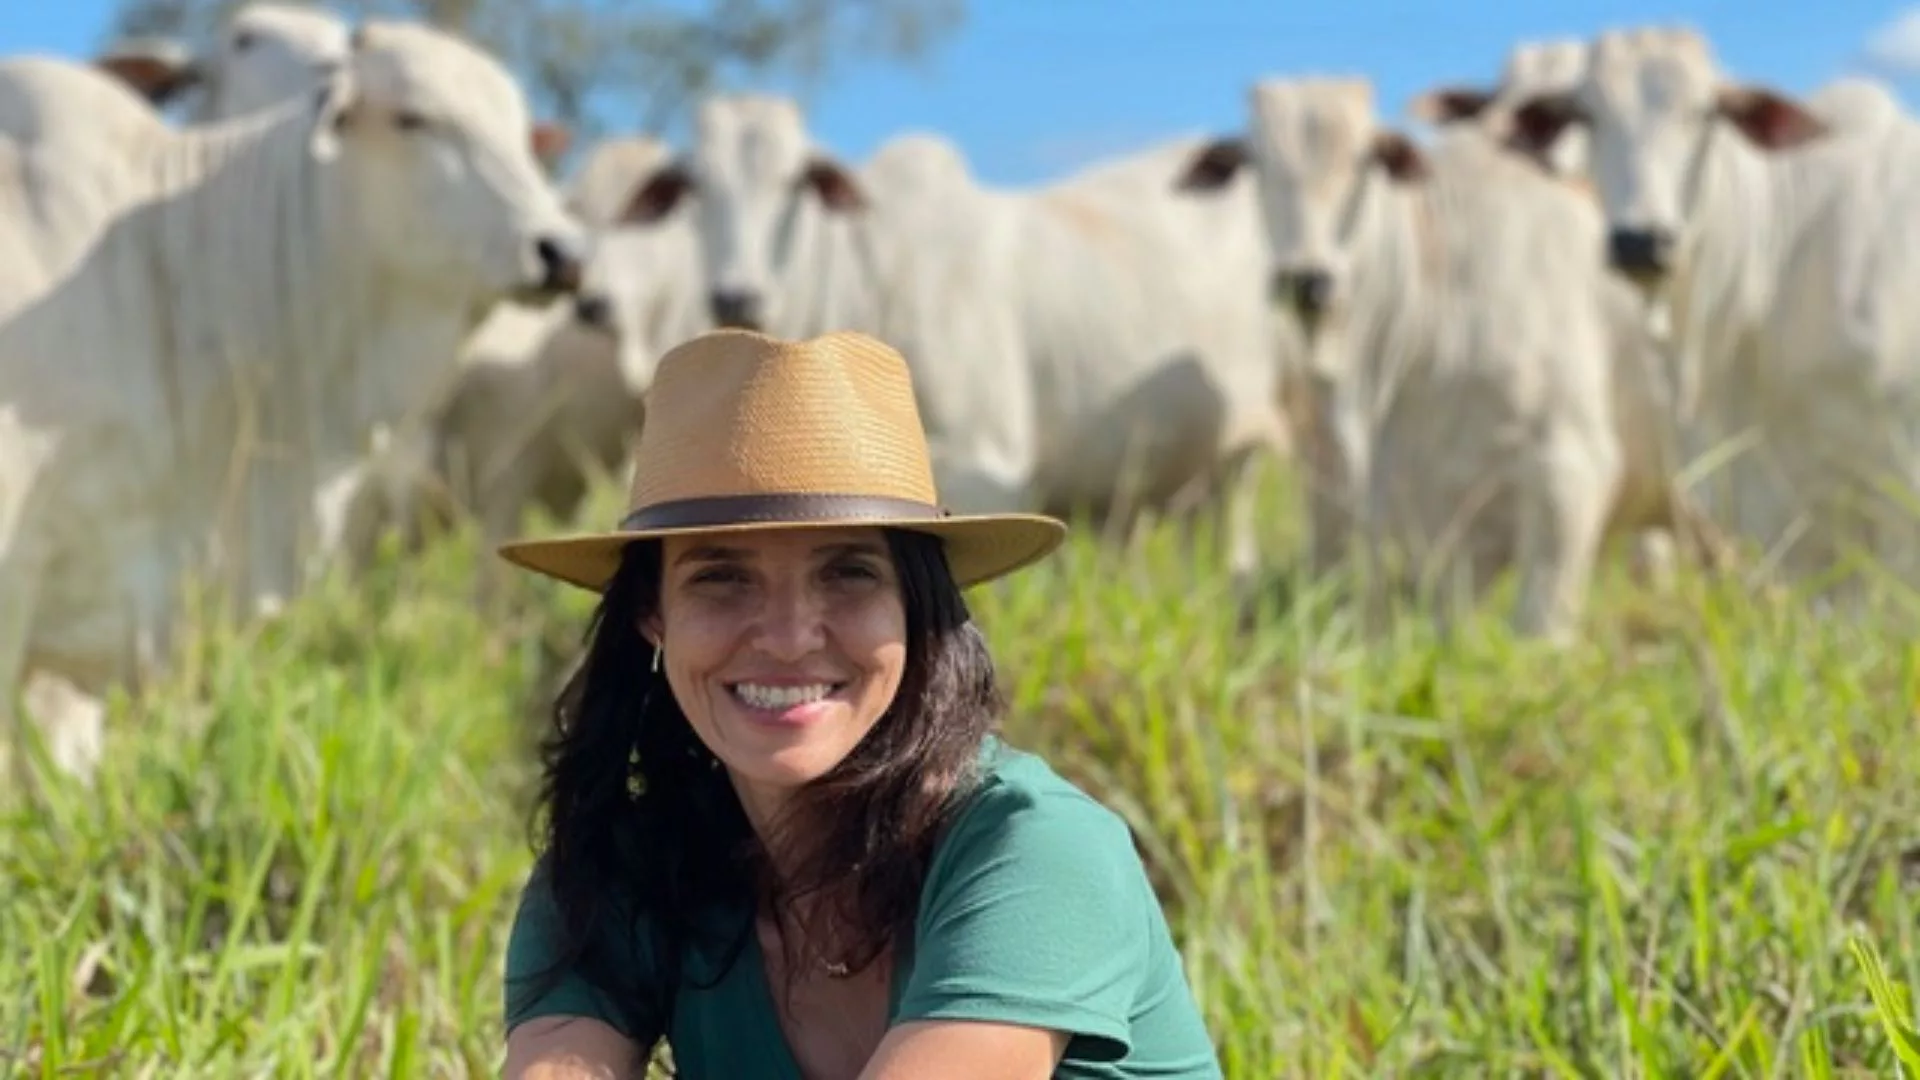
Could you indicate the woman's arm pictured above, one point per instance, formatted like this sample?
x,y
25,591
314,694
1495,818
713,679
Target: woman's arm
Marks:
x,y
561,1025
966,1050
570,1048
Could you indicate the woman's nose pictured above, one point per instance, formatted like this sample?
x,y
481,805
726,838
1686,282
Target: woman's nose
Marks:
x,y
792,624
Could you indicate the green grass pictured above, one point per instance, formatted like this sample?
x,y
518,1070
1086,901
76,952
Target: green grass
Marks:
x,y
1689,847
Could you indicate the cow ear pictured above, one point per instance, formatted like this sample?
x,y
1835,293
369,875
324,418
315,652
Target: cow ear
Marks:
x,y
1770,120
549,141
1449,105
1403,160
158,78
1214,165
1539,122
835,186
656,196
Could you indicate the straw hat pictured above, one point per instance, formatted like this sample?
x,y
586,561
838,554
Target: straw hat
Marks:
x,y
746,432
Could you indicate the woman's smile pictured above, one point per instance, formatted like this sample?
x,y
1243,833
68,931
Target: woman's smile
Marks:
x,y
789,702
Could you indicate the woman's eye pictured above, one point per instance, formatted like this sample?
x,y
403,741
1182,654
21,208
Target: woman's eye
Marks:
x,y
854,572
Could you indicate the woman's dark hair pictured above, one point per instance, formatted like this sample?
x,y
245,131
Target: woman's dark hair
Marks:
x,y
643,828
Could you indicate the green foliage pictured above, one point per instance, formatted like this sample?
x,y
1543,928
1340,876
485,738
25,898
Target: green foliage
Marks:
x,y
1686,848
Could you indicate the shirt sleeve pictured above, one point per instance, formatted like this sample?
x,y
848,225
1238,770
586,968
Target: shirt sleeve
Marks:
x,y
1035,913
531,991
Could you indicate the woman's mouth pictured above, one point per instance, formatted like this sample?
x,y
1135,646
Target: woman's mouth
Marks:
x,y
764,698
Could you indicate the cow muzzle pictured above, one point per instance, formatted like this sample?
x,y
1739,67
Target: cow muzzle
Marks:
x,y
735,309
1308,291
561,267
1645,255
593,310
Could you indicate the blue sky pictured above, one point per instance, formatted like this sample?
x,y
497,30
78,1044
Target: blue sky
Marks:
x,y
1031,88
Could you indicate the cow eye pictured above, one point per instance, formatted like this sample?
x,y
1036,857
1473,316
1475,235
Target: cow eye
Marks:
x,y
407,120
243,41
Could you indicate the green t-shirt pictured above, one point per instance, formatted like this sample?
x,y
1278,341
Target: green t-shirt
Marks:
x,y
1036,911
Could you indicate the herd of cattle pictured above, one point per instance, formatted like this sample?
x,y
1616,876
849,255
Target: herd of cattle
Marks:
x,y
343,294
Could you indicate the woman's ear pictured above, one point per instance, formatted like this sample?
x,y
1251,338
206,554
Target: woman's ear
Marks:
x,y
651,630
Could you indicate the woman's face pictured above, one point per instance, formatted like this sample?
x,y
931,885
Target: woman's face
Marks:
x,y
783,648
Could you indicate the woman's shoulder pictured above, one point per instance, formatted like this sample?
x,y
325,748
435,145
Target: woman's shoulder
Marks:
x,y
1012,776
1038,911
1021,807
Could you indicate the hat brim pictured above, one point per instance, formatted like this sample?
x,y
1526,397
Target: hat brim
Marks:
x,y
980,547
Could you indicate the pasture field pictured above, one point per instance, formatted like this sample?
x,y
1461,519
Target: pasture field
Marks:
x,y
1687,847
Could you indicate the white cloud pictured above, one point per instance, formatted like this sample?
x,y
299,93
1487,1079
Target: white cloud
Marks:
x,y
1894,48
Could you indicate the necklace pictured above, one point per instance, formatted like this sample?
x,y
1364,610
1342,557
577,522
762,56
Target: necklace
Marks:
x,y
834,970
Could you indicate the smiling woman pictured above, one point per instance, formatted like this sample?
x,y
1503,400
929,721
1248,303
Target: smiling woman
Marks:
x,y
780,701
782,832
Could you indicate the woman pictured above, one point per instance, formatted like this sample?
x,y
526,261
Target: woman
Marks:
x,y
781,832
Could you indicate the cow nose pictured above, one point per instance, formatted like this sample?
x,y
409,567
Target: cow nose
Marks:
x,y
593,309
1310,291
735,308
560,266
1641,252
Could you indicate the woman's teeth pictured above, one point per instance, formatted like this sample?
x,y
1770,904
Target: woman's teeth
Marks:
x,y
780,697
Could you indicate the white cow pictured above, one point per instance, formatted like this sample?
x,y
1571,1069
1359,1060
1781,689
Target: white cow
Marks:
x,y
1482,386
266,54
1093,343
1535,68
270,52
551,396
67,137
1532,68
291,280
1788,248
1851,103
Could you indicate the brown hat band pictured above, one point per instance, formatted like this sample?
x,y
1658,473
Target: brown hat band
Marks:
x,y
726,510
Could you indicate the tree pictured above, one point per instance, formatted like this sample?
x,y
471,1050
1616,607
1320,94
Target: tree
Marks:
x,y
632,65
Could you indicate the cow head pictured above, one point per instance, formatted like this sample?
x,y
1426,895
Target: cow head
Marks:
x,y
639,283
1319,155
755,174
434,143
1533,68
267,54
1650,102
636,292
